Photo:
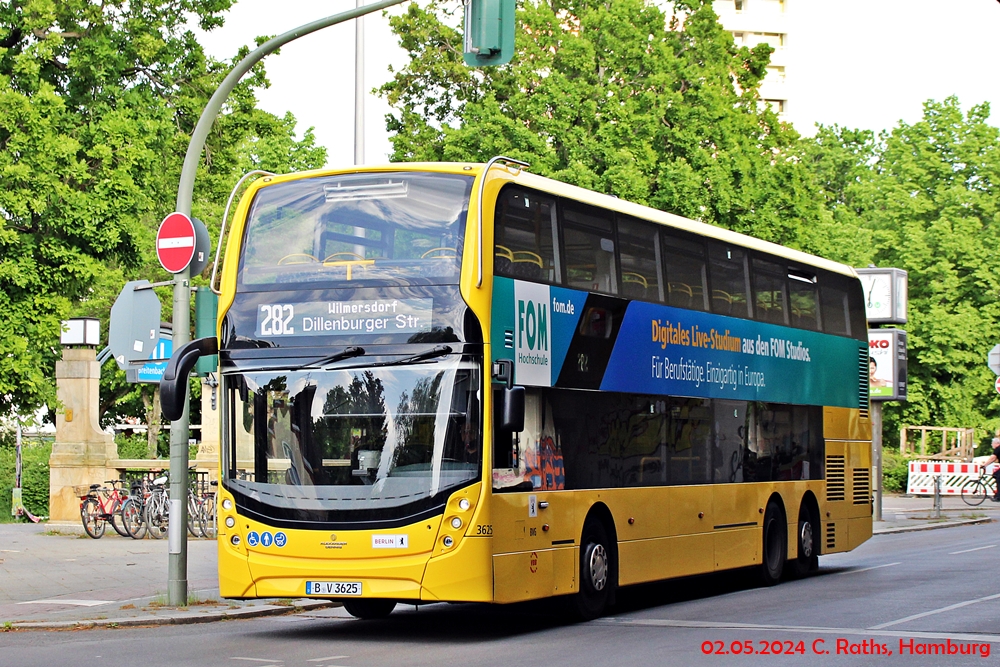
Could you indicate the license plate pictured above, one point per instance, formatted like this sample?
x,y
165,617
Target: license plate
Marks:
x,y
333,588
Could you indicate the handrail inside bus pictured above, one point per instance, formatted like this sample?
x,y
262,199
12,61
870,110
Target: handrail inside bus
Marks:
x,y
479,198
225,216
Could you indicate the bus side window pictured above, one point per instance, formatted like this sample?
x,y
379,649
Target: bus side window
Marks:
x,y
639,250
856,311
803,306
834,304
684,266
589,250
727,272
769,292
525,237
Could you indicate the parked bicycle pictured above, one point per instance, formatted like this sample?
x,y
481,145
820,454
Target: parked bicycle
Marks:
x,y
157,509
974,491
134,509
101,506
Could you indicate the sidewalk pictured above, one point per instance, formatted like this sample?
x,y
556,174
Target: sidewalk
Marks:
x,y
51,579
901,514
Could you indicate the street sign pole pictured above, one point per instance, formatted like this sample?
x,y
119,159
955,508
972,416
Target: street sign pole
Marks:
x,y
177,562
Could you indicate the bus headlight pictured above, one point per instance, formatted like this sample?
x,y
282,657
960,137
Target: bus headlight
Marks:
x,y
456,523
230,522
235,540
227,504
447,541
464,504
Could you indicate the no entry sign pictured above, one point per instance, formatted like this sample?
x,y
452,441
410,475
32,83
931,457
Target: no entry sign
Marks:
x,y
175,242
996,385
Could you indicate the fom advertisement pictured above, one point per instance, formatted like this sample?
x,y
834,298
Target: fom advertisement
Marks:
x,y
659,349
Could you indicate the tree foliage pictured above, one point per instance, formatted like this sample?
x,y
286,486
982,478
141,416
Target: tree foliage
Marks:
x,y
924,198
615,96
97,103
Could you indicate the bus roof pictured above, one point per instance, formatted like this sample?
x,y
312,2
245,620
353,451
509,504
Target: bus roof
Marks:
x,y
585,196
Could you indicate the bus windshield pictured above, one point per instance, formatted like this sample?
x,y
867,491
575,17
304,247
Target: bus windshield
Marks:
x,y
383,227
353,439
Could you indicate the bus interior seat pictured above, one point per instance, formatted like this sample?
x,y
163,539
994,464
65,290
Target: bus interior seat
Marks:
x,y
680,294
722,302
527,265
503,261
635,285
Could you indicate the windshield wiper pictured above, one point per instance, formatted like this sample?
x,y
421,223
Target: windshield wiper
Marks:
x,y
433,353
347,353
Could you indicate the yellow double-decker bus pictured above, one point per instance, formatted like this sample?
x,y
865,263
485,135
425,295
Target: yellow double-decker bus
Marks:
x,y
458,382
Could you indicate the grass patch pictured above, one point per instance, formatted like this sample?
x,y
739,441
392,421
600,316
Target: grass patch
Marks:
x,y
195,601
127,606
283,602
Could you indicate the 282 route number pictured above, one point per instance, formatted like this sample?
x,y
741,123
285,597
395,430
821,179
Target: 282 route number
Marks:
x,y
277,319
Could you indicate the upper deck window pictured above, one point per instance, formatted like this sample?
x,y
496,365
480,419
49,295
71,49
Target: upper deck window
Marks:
x,y
382,227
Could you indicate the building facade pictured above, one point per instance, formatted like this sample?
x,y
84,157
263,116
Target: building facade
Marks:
x,y
752,22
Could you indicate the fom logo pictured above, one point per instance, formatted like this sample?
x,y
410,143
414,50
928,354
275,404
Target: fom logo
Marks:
x,y
532,325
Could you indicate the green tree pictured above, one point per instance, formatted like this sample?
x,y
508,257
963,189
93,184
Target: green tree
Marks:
x,y
615,96
924,198
97,103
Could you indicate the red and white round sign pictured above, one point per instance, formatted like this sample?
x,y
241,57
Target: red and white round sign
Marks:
x,y
175,242
996,385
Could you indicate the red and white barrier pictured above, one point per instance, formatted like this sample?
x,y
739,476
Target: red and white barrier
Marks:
x,y
953,475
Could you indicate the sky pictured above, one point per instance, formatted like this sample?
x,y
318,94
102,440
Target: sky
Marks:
x,y
857,63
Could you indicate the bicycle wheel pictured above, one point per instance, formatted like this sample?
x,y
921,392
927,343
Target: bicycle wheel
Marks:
x,y
92,517
132,519
156,515
208,512
116,518
194,515
973,492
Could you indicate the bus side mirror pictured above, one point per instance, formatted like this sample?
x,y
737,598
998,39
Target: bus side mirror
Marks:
x,y
173,385
511,409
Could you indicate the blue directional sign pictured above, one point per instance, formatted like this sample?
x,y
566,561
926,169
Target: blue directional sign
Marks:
x,y
153,371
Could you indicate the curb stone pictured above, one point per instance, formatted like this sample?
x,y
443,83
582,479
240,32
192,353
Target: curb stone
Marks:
x,y
179,618
932,526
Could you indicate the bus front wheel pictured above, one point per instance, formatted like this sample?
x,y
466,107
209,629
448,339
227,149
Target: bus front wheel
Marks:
x,y
370,608
596,572
775,547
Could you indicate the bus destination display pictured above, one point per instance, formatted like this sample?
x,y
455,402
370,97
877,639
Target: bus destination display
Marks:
x,y
331,318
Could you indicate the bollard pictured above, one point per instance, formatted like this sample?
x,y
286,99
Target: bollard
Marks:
x,y
937,496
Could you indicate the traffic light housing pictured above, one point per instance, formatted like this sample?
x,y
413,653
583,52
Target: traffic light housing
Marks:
x,y
489,32
206,309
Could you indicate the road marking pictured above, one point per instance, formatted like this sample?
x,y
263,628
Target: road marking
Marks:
x,y
256,659
75,603
9,551
950,607
332,657
864,632
866,569
965,551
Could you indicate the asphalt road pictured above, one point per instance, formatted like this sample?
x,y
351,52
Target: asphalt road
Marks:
x,y
926,590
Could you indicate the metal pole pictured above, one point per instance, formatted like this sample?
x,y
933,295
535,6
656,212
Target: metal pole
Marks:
x,y
177,562
876,410
359,89
179,434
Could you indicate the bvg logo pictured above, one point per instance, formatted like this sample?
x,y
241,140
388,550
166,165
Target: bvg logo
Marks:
x,y
532,325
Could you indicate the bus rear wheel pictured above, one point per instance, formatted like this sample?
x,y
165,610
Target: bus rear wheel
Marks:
x,y
807,559
596,572
775,547
370,608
